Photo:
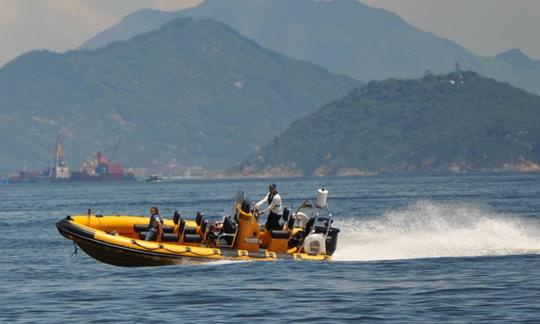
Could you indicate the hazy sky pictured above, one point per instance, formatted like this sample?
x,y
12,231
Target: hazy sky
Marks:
x,y
484,26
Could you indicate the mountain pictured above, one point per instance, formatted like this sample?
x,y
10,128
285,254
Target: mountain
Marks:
x,y
343,36
519,59
193,93
139,22
454,122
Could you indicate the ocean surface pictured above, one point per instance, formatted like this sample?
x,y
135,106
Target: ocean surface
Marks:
x,y
412,249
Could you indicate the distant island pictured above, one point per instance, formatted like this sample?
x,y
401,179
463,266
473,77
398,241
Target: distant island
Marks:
x,y
194,93
457,122
209,89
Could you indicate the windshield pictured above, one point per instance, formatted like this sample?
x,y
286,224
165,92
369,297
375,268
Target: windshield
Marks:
x,y
239,200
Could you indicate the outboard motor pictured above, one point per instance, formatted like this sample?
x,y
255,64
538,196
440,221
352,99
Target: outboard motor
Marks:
x,y
331,240
315,244
322,227
319,235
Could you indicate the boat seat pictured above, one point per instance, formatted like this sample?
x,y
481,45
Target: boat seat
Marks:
x,y
177,217
199,218
198,238
144,227
229,226
290,223
226,238
166,237
140,227
192,238
190,230
279,234
204,230
169,237
286,214
181,227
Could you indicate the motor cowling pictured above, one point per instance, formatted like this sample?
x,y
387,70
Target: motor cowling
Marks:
x,y
331,240
323,227
315,244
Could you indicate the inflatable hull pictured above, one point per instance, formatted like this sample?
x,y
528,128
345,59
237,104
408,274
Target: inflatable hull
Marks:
x,y
120,249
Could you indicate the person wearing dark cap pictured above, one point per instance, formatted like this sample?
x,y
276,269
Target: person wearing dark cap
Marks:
x,y
155,228
273,199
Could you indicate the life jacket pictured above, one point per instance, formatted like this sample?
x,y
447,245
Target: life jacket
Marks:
x,y
153,219
271,196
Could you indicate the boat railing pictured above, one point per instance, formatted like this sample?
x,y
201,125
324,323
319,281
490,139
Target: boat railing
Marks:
x,y
316,213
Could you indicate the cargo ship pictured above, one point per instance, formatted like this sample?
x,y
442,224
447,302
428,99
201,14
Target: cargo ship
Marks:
x,y
97,168
100,168
30,177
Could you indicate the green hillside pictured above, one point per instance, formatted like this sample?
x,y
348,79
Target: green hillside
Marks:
x,y
191,93
455,122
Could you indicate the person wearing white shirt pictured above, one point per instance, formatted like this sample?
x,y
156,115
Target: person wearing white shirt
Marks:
x,y
273,199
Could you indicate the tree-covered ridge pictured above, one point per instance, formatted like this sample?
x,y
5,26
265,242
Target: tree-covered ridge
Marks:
x,y
454,122
194,92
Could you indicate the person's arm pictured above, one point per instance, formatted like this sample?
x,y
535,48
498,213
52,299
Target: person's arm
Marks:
x,y
276,201
159,230
260,203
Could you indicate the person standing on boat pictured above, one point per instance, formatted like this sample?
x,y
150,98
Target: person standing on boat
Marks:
x,y
155,228
273,199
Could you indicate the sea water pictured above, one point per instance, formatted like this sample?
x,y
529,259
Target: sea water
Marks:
x,y
411,248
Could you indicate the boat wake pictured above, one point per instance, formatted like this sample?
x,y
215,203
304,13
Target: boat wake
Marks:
x,y
429,230
223,262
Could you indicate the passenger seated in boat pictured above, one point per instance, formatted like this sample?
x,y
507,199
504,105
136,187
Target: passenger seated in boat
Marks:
x,y
273,199
217,227
222,233
155,228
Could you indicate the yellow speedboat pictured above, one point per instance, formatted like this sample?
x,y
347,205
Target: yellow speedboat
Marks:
x,y
307,234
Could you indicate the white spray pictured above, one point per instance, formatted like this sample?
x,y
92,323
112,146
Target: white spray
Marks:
x,y
429,230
